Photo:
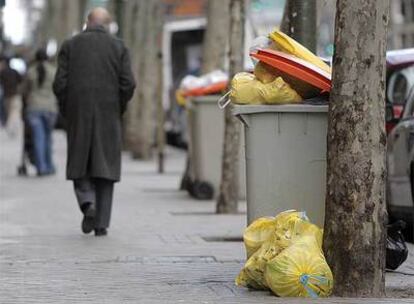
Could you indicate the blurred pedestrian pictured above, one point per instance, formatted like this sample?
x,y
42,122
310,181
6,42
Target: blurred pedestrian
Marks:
x,y
10,81
93,83
41,111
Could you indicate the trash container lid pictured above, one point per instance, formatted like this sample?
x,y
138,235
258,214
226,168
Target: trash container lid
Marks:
x,y
295,67
289,108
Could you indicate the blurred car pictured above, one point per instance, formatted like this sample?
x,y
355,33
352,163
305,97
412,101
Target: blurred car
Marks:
x,y
400,165
400,78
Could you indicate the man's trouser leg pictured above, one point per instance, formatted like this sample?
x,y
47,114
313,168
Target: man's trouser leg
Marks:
x,y
85,192
104,194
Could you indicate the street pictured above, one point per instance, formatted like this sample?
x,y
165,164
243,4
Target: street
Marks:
x,y
162,247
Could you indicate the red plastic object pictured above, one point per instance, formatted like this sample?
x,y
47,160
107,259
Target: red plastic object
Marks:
x,y
295,67
211,89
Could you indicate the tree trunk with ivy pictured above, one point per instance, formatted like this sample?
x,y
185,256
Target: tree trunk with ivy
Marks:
x,y
354,234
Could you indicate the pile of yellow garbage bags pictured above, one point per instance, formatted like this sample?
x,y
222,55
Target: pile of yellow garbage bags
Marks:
x,y
267,85
246,88
284,254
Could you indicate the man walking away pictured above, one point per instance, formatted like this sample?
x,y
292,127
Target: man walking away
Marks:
x,y
93,84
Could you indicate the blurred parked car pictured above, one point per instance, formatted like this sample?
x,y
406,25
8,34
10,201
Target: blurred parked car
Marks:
x,y
400,165
400,78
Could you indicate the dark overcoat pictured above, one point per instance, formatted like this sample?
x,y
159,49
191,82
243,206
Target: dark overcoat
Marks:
x,y
93,84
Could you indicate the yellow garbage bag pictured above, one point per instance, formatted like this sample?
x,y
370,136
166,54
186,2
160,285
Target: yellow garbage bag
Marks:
x,y
279,92
265,73
300,271
244,280
291,225
257,233
256,265
180,98
245,89
290,46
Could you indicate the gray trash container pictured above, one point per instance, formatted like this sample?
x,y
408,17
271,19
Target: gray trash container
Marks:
x,y
206,132
285,159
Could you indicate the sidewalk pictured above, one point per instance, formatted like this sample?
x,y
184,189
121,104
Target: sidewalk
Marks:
x,y
158,250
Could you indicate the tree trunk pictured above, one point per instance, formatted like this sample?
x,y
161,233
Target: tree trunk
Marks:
x,y
301,22
216,36
118,10
133,36
354,238
228,197
148,80
63,19
285,24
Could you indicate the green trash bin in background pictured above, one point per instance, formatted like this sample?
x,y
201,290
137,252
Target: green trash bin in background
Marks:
x,y
206,135
285,148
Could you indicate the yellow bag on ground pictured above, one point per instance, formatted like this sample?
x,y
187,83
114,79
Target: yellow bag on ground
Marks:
x,y
257,233
289,226
300,271
292,225
276,243
256,264
244,280
245,89
290,46
279,92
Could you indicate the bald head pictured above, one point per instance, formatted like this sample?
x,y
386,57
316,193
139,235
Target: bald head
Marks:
x,y
99,16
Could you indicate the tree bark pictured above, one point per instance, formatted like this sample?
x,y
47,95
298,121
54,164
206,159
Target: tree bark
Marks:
x,y
62,19
148,80
134,36
216,36
300,22
227,201
354,238
285,24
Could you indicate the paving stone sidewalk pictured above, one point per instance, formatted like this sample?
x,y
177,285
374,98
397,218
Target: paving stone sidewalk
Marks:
x,y
159,248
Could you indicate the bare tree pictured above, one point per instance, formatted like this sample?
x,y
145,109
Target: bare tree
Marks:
x,y
148,77
61,19
354,238
134,36
216,35
228,197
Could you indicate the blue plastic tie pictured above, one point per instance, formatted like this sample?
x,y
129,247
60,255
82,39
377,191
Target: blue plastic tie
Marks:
x,y
304,280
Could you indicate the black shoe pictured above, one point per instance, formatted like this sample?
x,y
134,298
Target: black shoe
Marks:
x,y
88,221
100,232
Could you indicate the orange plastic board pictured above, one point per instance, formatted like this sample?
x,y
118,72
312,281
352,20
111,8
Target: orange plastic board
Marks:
x,y
295,67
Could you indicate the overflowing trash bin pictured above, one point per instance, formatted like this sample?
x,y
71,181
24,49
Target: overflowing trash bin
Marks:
x,y
283,107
